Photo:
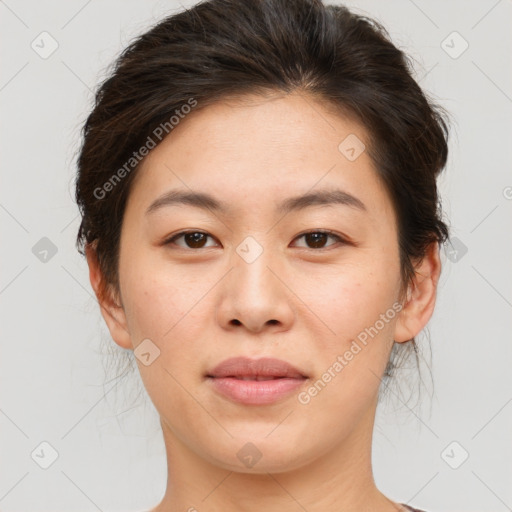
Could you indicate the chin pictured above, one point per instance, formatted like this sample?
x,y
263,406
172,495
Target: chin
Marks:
x,y
260,455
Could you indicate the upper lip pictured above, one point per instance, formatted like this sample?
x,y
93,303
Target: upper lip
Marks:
x,y
262,367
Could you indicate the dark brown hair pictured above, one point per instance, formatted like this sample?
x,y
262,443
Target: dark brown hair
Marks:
x,y
220,49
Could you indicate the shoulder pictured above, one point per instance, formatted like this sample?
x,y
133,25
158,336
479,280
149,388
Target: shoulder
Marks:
x,y
408,508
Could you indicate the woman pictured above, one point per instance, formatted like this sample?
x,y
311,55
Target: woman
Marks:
x,y
261,221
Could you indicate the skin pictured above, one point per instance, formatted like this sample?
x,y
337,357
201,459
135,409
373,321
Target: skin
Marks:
x,y
297,301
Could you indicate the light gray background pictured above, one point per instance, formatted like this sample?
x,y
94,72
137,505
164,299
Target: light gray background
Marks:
x,y
53,385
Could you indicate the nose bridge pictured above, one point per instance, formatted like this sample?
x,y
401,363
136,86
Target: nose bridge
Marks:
x,y
253,295
252,261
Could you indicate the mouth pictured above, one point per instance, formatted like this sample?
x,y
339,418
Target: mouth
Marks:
x,y
255,381
264,368
257,378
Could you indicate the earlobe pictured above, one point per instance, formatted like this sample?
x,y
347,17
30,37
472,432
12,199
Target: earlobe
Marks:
x,y
112,312
421,296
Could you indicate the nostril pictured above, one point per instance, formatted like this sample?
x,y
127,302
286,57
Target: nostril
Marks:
x,y
236,322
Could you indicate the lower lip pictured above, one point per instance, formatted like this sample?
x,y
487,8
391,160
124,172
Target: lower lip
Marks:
x,y
255,392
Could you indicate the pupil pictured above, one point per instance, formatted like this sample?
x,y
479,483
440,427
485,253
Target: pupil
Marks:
x,y
195,239
317,239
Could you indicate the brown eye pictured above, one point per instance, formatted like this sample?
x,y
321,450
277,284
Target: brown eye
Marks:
x,y
193,239
198,239
318,239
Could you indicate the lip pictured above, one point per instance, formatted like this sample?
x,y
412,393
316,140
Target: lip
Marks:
x,y
226,379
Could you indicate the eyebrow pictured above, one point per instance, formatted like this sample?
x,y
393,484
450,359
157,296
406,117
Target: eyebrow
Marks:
x,y
205,201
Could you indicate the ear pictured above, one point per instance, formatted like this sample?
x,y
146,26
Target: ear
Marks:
x,y
421,296
112,312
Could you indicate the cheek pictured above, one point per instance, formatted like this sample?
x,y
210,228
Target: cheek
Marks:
x,y
175,314
348,301
157,302
351,363
159,308
357,306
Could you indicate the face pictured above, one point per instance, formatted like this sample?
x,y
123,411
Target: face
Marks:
x,y
253,274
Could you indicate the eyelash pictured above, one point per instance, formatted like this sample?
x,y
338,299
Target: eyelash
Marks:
x,y
332,234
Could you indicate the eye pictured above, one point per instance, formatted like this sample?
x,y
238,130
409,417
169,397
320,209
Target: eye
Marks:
x,y
197,239
193,239
317,239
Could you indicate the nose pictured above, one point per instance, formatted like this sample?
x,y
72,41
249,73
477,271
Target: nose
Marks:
x,y
256,296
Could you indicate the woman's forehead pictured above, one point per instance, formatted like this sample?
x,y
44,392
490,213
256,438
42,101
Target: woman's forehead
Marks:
x,y
265,146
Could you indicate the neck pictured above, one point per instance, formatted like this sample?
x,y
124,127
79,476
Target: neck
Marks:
x,y
338,481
